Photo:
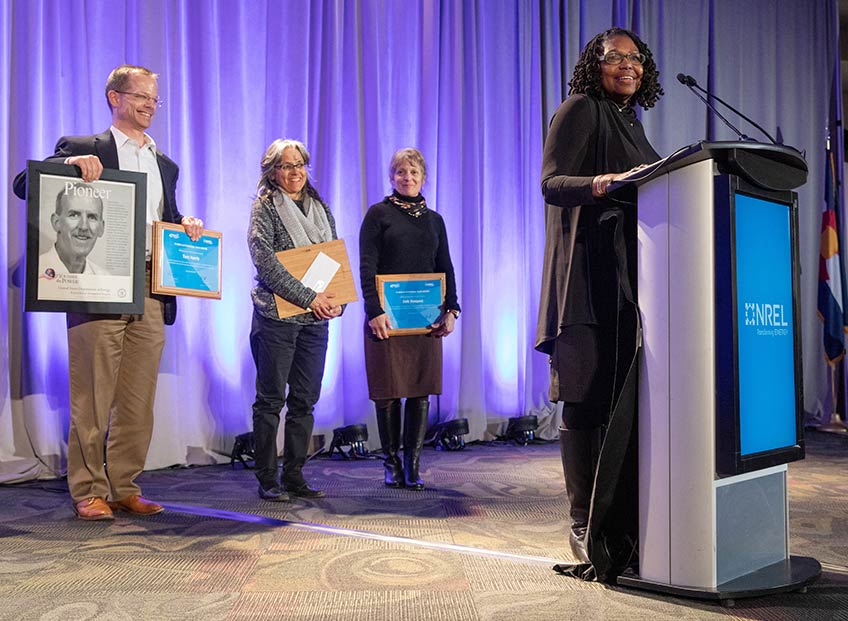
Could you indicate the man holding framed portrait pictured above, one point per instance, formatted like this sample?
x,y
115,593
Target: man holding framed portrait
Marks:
x,y
114,359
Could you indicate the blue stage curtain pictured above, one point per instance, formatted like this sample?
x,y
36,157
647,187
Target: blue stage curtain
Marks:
x,y
473,84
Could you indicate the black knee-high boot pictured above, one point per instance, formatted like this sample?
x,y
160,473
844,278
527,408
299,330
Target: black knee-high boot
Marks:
x,y
579,449
388,425
414,429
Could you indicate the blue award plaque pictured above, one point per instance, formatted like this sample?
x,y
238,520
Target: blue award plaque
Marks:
x,y
185,267
412,301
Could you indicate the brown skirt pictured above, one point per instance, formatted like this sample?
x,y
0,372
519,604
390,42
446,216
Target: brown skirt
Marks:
x,y
403,366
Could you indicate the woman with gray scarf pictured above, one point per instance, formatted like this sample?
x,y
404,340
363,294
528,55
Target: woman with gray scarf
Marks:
x,y
287,213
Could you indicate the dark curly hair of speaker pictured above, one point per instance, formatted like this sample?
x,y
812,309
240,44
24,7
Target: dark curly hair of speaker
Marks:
x,y
587,71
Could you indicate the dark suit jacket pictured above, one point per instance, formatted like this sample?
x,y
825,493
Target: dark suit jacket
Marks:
x,y
103,146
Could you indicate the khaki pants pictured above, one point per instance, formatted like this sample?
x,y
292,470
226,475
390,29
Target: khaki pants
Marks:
x,y
114,365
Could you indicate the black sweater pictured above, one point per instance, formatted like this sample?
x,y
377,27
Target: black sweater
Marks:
x,y
587,137
393,242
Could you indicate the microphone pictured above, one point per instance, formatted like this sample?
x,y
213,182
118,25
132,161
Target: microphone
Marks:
x,y
686,80
689,82
692,84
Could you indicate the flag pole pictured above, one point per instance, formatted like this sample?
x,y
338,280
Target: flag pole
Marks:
x,y
837,393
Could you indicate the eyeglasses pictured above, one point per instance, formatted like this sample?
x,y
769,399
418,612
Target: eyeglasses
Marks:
x,y
141,98
616,58
290,167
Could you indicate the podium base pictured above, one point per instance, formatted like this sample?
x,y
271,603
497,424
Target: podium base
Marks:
x,y
793,574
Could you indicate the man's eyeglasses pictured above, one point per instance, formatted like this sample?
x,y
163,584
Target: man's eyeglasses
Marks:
x,y
290,167
616,58
141,98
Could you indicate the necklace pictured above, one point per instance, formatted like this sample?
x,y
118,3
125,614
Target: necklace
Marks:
x,y
625,109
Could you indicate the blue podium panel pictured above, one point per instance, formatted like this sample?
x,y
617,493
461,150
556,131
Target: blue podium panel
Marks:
x,y
765,326
757,332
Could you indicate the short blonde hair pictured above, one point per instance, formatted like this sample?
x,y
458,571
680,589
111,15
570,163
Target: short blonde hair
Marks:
x,y
120,77
411,155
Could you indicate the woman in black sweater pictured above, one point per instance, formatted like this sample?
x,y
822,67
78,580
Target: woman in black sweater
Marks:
x,y
401,235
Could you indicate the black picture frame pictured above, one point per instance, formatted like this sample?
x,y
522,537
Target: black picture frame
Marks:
x,y
111,248
730,460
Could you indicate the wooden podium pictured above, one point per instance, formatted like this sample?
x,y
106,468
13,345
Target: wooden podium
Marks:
x,y
720,387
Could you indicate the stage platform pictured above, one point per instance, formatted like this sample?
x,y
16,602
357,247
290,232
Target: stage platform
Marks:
x,y
479,543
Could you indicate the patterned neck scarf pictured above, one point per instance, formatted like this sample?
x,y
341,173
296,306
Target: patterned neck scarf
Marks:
x,y
415,207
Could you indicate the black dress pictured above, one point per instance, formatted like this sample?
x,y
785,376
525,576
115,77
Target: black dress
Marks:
x,y
587,137
393,242
588,318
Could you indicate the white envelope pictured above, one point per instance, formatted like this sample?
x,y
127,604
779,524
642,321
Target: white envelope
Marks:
x,y
320,273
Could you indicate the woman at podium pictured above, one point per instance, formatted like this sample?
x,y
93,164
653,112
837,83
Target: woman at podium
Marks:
x,y
587,317
289,352
402,235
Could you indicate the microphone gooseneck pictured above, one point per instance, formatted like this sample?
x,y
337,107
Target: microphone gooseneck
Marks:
x,y
692,84
689,82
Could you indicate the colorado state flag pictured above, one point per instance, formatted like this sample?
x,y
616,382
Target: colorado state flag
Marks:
x,y
831,300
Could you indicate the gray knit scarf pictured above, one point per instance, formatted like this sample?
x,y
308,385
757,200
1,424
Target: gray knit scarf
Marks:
x,y
311,228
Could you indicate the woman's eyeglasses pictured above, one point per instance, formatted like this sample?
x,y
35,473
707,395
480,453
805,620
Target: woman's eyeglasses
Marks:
x,y
616,58
290,167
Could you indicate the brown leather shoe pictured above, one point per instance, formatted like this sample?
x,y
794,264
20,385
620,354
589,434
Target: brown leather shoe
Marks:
x,y
93,508
137,506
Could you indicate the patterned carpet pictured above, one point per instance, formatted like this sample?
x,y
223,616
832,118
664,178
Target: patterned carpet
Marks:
x,y
479,544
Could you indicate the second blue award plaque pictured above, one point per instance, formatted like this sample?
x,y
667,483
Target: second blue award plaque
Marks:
x,y
412,301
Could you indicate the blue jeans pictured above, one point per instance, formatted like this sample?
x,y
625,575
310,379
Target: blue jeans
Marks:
x,y
285,354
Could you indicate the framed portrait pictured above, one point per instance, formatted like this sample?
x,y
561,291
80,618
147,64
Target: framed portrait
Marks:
x,y
85,241
412,301
185,267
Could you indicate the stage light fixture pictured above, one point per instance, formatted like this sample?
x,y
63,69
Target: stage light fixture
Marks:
x,y
244,450
449,435
522,429
354,436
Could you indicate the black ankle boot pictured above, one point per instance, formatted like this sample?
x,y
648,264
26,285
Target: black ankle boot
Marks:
x,y
388,425
414,429
579,449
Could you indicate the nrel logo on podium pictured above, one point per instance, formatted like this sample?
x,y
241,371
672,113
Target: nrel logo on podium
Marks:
x,y
765,325
769,318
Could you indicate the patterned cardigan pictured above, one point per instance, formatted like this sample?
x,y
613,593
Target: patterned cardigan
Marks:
x,y
265,237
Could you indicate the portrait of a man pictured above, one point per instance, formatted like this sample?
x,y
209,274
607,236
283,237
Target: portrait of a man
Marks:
x,y
78,222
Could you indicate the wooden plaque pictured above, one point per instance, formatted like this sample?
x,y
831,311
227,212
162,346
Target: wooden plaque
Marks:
x,y
412,301
298,260
185,267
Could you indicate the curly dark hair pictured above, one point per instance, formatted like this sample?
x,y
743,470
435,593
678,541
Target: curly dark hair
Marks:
x,y
587,71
